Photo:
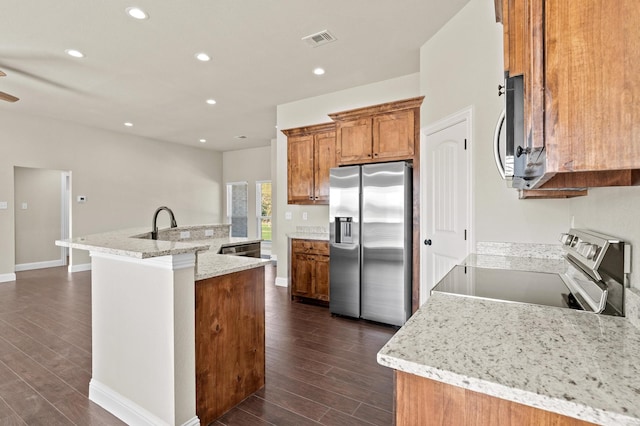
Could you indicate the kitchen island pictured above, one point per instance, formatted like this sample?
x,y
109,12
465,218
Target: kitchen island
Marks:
x,y
478,361
177,329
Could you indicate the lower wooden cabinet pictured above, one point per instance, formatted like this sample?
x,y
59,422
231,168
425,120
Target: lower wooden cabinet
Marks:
x,y
422,402
230,341
310,269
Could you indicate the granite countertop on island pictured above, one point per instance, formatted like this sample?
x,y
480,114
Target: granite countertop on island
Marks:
x,y
135,243
574,363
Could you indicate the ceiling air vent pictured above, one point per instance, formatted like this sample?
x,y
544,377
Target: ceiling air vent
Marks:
x,y
318,39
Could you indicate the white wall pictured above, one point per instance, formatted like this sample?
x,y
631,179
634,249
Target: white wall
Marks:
x,y
314,111
247,165
462,65
125,178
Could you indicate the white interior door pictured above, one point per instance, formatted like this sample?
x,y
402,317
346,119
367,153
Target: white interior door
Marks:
x,y
446,212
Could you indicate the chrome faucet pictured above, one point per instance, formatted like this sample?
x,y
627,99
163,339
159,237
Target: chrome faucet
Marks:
x,y
154,225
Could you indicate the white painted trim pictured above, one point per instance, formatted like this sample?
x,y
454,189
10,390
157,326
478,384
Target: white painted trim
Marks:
x,y
274,257
464,115
193,422
79,268
40,265
282,281
5,278
125,409
170,262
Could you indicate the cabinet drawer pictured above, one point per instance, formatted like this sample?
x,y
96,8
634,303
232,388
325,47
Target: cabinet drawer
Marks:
x,y
310,247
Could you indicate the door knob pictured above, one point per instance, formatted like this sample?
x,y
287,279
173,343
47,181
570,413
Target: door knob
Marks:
x,y
427,242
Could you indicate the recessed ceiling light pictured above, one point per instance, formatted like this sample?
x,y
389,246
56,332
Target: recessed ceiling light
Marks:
x,y
203,57
75,53
128,124
203,140
211,101
318,71
137,13
240,137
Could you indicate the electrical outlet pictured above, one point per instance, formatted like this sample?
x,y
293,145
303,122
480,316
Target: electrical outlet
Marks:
x,y
287,215
185,234
23,206
4,205
304,216
208,232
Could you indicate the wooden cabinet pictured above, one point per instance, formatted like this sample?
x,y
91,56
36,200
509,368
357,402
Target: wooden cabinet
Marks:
x,y
580,64
310,269
310,155
229,334
421,401
386,132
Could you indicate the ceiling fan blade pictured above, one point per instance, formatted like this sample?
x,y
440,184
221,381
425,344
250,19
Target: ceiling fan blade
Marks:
x,y
7,97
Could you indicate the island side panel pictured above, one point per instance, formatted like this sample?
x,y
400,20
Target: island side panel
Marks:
x,y
143,367
230,341
421,401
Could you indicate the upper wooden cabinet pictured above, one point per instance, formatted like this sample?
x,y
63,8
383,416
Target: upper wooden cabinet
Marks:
x,y
386,132
580,62
311,152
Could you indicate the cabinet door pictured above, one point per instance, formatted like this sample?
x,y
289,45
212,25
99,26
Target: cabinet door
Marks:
x,y
592,85
393,136
300,169
514,21
302,271
353,141
324,160
321,279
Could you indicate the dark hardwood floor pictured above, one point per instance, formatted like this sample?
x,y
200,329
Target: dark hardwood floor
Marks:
x,y
320,369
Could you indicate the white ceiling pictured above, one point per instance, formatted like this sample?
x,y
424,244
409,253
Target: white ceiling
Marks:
x,y
145,72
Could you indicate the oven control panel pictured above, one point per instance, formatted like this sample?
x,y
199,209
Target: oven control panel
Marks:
x,y
587,248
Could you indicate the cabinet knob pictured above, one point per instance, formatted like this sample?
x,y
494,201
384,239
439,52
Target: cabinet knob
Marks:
x,y
375,155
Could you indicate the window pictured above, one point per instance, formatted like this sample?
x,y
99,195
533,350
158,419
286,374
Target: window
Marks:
x,y
237,208
263,209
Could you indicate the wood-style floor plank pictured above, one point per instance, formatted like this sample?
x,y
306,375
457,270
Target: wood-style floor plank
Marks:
x,y
321,369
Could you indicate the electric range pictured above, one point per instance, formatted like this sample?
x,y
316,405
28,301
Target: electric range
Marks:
x,y
594,280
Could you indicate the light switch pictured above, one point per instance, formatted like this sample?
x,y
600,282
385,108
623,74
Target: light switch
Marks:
x,y
4,205
287,215
304,216
208,232
23,206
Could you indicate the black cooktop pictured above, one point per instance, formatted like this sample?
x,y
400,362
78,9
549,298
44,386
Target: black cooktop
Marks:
x,y
538,288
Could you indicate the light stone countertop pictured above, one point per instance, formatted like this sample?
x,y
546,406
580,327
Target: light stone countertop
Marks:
x,y
208,262
570,362
319,236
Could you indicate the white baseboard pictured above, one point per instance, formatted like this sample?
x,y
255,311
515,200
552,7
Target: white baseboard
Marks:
x,y
80,268
39,265
7,277
282,281
125,409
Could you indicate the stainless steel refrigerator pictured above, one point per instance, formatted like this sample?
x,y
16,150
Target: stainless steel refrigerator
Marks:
x,y
370,209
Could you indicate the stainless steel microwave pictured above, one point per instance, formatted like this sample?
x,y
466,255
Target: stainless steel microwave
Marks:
x,y
512,151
